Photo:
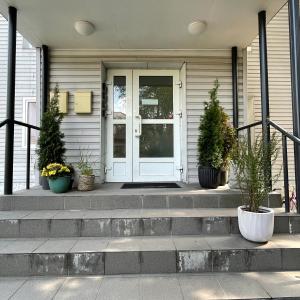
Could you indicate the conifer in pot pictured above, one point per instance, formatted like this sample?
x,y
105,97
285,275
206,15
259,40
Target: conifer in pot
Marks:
x,y
215,141
50,143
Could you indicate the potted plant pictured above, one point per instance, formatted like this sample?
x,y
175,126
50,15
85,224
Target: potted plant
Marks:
x,y
59,177
86,178
50,143
252,164
215,142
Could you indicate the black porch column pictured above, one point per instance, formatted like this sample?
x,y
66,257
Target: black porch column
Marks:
x,y
45,78
264,84
264,80
10,106
295,80
235,97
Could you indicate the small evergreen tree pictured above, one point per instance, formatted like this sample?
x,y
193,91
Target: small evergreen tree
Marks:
x,y
50,144
216,136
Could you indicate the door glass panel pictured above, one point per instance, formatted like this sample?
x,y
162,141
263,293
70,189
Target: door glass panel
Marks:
x,y
156,97
119,140
156,140
119,97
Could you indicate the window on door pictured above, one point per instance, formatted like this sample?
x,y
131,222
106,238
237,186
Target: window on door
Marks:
x,y
156,103
156,97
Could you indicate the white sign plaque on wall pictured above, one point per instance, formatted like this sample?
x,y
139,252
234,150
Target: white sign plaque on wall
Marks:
x,y
149,101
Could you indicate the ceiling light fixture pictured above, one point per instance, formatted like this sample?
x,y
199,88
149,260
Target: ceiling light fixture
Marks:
x,y
197,27
84,27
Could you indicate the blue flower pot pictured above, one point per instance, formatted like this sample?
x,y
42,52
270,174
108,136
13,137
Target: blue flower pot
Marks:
x,y
59,184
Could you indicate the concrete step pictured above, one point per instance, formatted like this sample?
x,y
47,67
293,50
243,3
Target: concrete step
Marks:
x,y
266,285
123,199
139,222
146,255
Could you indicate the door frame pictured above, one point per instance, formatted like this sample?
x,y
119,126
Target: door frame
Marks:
x,y
178,119
176,159
110,121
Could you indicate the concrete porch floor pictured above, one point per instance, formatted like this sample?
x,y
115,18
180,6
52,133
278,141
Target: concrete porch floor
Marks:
x,y
111,196
268,285
115,189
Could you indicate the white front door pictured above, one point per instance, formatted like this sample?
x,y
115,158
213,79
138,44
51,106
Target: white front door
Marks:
x,y
143,126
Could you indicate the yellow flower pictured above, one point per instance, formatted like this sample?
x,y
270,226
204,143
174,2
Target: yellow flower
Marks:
x,y
44,172
52,173
64,169
54,166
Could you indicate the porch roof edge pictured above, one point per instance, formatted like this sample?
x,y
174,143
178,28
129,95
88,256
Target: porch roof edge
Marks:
x,y
137,54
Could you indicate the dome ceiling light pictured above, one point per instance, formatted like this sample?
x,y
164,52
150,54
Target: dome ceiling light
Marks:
x,y
84,27
197,27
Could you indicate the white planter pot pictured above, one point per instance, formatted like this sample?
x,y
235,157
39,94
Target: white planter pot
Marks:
x,y
256,227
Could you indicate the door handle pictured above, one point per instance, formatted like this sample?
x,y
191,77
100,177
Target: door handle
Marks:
x,y
138,131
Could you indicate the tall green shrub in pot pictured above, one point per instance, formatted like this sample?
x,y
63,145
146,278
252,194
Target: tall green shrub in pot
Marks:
x,y
215,141
51,147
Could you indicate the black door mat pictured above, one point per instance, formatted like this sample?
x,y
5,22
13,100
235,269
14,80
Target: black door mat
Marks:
x,y
151,185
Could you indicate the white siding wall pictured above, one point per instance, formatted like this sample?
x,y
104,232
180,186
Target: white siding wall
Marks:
x,y
200,77
82,132
279,79
25,87
81,70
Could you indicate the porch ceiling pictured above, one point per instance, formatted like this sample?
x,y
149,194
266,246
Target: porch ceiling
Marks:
x,y
140,24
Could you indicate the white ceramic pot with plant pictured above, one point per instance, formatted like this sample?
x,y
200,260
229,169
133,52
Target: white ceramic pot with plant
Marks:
x,y
252,165
86,179
256,226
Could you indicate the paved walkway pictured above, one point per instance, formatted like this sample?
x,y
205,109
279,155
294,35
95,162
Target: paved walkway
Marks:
x,y
155,287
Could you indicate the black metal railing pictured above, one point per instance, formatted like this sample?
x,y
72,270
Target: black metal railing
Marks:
x,y
284,136
28,145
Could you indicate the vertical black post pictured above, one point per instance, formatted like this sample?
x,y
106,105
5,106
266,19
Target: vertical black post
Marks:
x,y
264,86
28,158
235,97
286,174
45,78
10,106
249,138
295,80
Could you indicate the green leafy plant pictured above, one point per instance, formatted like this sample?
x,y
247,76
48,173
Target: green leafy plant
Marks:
x,y
253,165
50,143
216,136
85,166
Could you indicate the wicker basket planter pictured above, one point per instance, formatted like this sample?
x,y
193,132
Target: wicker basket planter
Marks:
x,y
86,183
